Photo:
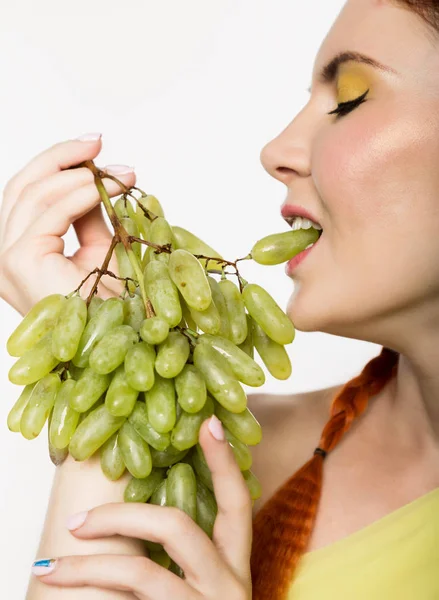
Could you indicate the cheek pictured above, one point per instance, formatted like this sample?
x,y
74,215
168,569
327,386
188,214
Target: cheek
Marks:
x,y
381,163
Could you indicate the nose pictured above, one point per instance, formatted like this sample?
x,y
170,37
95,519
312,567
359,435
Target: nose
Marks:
x,y
288,154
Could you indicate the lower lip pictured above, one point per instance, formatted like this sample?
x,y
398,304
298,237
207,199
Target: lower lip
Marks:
x,y
296,260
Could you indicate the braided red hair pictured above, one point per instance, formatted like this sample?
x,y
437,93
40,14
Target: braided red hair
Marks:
x,y
283,526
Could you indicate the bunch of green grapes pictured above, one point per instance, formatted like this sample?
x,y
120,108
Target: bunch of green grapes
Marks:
x,y
136,384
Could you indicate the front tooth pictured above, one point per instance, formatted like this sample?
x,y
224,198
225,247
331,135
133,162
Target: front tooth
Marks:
x,y
302,223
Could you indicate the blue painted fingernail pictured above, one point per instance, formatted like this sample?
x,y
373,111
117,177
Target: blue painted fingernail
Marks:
x,y
43,566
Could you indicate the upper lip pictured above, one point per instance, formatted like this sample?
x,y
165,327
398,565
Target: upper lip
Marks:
x,y
293,210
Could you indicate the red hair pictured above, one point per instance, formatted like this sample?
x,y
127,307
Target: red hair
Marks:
x,y
283,526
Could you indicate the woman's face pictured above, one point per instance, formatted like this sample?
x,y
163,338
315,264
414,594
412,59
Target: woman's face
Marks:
x,y
370,178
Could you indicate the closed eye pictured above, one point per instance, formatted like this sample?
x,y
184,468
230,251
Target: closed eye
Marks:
x,y
346,107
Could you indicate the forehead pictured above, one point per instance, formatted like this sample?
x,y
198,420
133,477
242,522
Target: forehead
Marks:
x,y
386,31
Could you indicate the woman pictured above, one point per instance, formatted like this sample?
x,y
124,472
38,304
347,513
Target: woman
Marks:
x,y
372,529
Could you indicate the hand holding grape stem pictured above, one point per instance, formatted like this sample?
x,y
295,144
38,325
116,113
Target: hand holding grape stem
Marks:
x,y
39,204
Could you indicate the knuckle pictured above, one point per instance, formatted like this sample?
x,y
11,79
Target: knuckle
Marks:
x,y
243,499
180,522
10,188
140,567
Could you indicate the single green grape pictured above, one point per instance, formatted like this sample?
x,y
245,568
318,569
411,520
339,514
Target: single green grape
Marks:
x,y
181,489
111,349
235,310
168,457
36,324
207,508
93,307
120,207
112,463
243,456
142,222
109,314
139,366
16,412
273,355
162,292
220,379
158,497
88,389
125,268
154,330
268,314
39,406
244,368
172,355
93,432
120,397
69,328
186,431
189,241
57,456
253,484
219,301
243,425
201,467
131,228
279,247
139,420
247,345
160,233
160,402
208,320
135,451
188,275
134,311
35,363
152,204
161,557
141,490
191,389
64,418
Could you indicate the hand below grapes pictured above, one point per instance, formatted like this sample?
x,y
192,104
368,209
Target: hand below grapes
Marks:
x,y
39,204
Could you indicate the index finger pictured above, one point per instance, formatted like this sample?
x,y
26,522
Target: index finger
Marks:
x,y
52,160
232,532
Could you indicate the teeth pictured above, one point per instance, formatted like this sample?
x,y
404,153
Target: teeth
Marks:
x,y
302,223
309,246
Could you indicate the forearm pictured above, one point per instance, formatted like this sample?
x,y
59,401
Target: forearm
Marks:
x,y
79,486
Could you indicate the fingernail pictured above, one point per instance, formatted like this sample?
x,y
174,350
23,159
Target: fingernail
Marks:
x,y
43,566
118,169
75,521
216,428
89,137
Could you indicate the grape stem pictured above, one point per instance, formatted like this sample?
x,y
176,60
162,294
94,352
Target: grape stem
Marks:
x,y
121,235
102,272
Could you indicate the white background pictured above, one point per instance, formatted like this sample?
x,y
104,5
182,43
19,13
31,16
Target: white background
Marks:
x,y
188,92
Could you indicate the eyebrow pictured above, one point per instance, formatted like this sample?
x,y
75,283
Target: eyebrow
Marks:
x,y
330,70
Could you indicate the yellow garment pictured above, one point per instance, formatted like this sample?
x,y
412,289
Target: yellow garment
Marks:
x,y
394,558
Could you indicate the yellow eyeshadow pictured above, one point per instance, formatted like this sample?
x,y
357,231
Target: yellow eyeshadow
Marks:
x,y
350,85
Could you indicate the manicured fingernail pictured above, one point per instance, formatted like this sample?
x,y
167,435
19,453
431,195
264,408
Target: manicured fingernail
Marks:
x,y
216,428
89,137
75,521
118,169
43,566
